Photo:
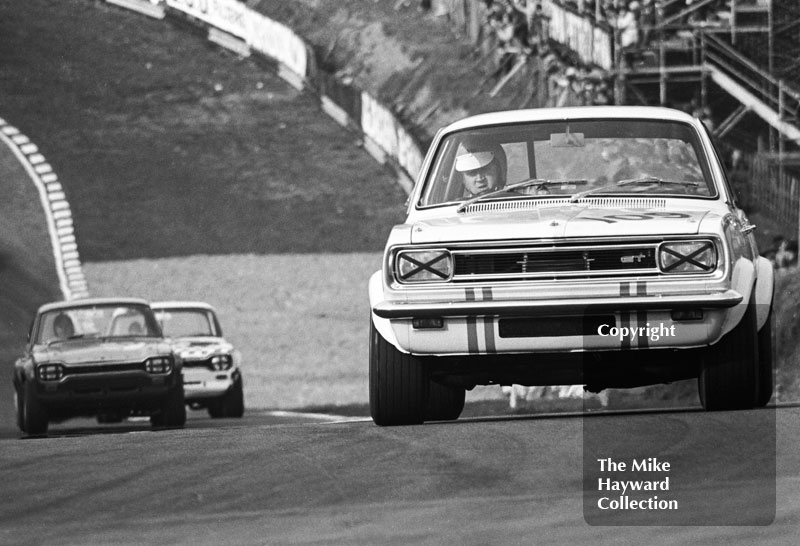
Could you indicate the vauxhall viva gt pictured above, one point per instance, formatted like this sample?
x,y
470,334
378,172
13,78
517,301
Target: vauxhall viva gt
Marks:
x,y
595,246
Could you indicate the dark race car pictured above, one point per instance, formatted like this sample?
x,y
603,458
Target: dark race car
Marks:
x,y
101,357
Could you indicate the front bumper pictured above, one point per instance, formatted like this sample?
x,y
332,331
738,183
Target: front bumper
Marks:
x,y
403,310
122,390
202,383
484,323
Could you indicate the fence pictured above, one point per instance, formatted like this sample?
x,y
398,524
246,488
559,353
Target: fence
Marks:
x,y
774,192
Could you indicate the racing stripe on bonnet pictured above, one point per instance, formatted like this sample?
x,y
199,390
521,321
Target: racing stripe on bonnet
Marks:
x,y
488,325
472,325
641,317
625,316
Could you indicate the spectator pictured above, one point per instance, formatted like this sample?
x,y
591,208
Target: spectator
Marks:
x,y
628,25
647,21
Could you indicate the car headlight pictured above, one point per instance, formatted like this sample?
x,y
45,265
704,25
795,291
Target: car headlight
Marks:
x,y
413,266
159,364
50,372
687,257
221,362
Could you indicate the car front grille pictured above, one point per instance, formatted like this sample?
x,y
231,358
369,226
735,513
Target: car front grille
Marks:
x,y
205,364
554,262
104,368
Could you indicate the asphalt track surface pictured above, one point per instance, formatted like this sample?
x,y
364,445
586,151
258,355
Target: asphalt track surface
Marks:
x,y
294,479
270,479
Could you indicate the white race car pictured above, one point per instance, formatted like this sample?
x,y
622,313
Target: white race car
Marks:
x,y
212,378
599,246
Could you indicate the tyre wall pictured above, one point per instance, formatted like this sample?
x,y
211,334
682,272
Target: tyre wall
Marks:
x,y
234,25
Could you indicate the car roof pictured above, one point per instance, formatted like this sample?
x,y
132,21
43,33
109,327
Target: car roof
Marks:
x,y
576,112
181,305
85,302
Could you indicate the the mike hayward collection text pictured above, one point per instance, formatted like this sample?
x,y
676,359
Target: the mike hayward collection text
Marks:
x,y
626,489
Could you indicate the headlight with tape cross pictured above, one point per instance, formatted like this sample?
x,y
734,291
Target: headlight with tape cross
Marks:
x,y
415,266
683,257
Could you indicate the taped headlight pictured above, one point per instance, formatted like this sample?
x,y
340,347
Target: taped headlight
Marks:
x,y
221,362
159,364
413,266
50,372
687,257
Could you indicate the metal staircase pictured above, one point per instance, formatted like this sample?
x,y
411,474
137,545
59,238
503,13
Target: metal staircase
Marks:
x,y
751,53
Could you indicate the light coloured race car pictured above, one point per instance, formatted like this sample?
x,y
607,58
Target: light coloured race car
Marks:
x,y
102,357
212,378
599,246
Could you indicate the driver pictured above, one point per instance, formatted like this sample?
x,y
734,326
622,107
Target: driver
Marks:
x,y
63,327
481,172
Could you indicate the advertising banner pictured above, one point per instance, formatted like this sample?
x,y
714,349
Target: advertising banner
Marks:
x,y
226,15
261,33
275,40
379,124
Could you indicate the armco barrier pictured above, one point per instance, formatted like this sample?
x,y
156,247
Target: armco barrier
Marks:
x,y
56,209
384,135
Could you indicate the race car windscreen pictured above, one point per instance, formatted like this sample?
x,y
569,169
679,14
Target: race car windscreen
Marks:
x,y
623,156
186,322
97,321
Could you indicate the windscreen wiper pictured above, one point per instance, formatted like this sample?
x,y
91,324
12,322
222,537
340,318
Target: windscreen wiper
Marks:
x,y
650,180
530,182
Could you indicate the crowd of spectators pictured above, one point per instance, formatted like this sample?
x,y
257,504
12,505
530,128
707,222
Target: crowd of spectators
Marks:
x,y
636,19
516,29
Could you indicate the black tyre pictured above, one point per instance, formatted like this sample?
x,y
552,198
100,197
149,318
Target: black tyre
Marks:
x,y
445,403
109,418
173,411
766,348
729,373
34,415
398,384
215,409
19,409
231,404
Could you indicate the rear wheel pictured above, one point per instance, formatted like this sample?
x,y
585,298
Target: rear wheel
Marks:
x,y
445,403
398,384
34,415
766,344
729,373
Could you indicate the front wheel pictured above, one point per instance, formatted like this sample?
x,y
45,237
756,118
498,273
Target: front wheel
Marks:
x,y
19,410
173,411
729,373
34,415
445,403
230,404
398,384
766,344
